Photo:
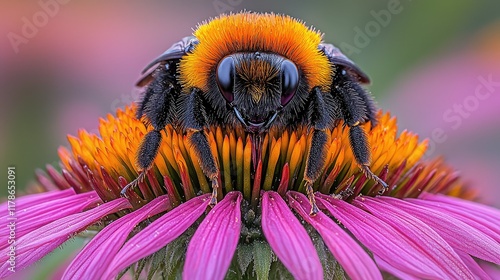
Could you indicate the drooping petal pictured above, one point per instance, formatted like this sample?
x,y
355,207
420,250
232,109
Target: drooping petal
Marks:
x,y
345,250
35,216
382,239
158,234
288,238
431,243
458,234
38,243
212,247
469,215
96,256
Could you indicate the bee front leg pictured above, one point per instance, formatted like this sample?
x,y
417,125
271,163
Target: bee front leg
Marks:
x,y
194,121
315,165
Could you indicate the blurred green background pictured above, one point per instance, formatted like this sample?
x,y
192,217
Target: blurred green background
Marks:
x,y
64,65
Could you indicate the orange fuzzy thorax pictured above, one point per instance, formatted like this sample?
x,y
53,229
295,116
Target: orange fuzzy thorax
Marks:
x,y
252,32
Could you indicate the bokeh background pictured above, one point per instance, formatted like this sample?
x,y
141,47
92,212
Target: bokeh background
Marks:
x,y
434,64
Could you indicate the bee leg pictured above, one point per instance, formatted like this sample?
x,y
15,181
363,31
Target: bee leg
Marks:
x,y
371,108
145,157
133,184
194,121
361,105
215,187
156,105
314,166
359,145
357,108
316,158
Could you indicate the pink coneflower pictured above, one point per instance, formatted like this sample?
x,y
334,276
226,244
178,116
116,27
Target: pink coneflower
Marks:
x,y
424,226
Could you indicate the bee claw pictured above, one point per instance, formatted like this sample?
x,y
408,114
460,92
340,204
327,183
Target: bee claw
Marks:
x,y
215,186
213,201
123,192
312,200
130,185
370,175
133,184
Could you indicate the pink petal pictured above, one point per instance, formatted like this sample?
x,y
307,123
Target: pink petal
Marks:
x,y
345,250
471,216
288,238
488,213
158,234
37,198
38,243
212,247
458,234
431,244
382,239
36,216
97,255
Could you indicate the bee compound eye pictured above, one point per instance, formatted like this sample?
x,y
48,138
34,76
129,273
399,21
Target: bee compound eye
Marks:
x,y
225,78
289,81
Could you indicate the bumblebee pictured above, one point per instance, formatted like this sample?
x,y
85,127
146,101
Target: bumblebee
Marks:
x,y
256,72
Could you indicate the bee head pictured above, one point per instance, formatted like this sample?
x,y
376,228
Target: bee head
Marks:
x,y
257,86
255,69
